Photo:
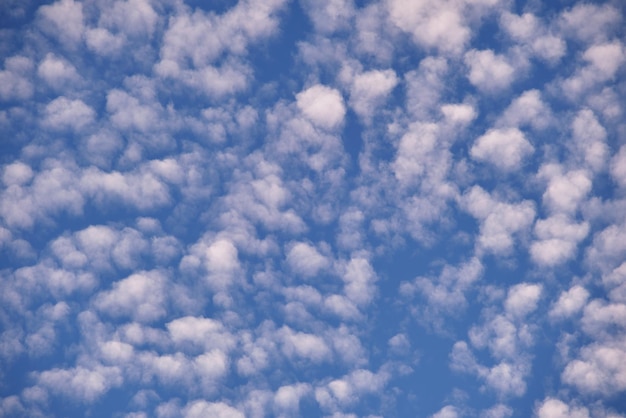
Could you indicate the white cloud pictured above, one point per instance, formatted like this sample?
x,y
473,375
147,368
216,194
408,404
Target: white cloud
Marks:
x,y
461,114
603,62
359,278
558,237
504,148
555,408
618,167
522,299
590,140
104,42
528,109
447,412
528,30
570,302
16,173
201,332
141,296
201,408
303,345
600,370
565,191
133,17
489,72
304,259
63,113
80,383
322,105
497,411
287,398
14,80
590,22
499,220
63,20
369,91
439,26
58,73
329,16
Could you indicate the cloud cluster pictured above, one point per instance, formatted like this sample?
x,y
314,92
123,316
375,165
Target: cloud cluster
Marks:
x,y
312,208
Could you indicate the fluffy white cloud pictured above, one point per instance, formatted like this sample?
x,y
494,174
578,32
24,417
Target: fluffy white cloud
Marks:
x,y
441,26
558,237
565,191
63,20
555,408
57,72
570,302
522,299
489,72
499,220
141,296
304,259
369,91
504,148
447,412
618,167
527,110
322,105
80,383
201,408
63,113
14,80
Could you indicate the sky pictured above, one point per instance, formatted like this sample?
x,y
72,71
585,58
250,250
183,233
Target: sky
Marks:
x,y
314,208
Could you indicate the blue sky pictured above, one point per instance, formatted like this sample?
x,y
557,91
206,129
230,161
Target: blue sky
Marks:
x,y
333,208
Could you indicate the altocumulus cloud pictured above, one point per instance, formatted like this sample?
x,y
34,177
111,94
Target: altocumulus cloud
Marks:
x,y
339,208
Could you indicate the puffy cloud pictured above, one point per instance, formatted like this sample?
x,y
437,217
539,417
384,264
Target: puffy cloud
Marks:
x,y
304,259
80,383
599,370
349,388
565,191
441,26
528,30
570,302
499,220
558,237
618,167
603,62
193,42
14,80
555,408
528,109
133,17
522,299
489,72
201,332
504,148
303,345
57,72
369,91
16,173
63,20
141,296
322,105
590,140
287,398
497,411
201,408
63,113
330,15
590,22
447,412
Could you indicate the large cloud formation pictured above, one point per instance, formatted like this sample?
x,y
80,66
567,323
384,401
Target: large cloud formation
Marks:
x,y
339,208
